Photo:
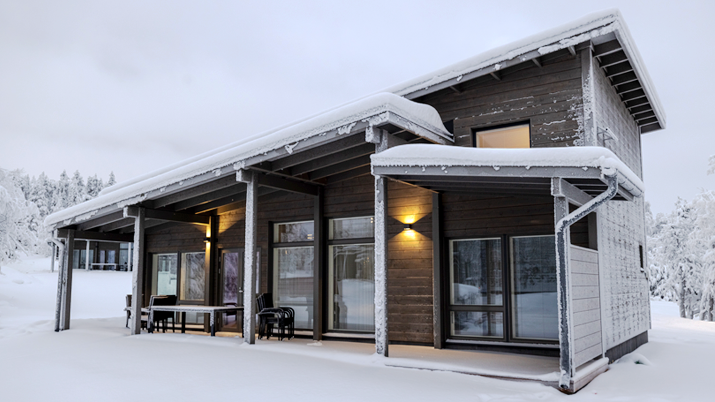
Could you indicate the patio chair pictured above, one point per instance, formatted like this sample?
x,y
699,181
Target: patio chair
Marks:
x,y
129,311
270,317
161,318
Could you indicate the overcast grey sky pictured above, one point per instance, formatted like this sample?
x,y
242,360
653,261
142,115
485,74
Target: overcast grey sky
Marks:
x,y
133,86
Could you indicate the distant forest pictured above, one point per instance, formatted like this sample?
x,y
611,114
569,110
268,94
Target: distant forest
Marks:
x,y
25,202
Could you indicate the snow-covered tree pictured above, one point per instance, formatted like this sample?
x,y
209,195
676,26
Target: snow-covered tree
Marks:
x,y
77,190
20,225
112,181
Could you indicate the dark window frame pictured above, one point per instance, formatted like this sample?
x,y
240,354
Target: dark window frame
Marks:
x,y
506,308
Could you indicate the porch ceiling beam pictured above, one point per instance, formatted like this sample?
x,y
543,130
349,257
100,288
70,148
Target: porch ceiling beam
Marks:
x,y
633,95
333,159
620,68
189,193
644,115
641,109
212,196
496,75
167,215
488,190
650,120
104,220
624,78
562,188
517,181
572,50
322,151
637,102
650,127
456,88
612,59
98,236
276,182
350,174
631,86
149,223
537,61
340,167
117,225
606,48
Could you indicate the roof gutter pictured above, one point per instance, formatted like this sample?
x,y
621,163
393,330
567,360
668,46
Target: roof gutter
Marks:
x,y
564,277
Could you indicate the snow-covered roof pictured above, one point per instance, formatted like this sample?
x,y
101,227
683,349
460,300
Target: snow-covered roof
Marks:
x,y
377,109
427,155
594,27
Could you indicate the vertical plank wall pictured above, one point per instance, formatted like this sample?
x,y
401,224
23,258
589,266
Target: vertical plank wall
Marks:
x,y
586,304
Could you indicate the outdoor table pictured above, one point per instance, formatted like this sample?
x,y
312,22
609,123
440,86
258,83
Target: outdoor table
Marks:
x,y
211,310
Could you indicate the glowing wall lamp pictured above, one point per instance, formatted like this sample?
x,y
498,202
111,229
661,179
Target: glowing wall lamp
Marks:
x,y
407,227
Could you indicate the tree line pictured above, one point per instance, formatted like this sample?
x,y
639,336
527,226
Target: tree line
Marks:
x,y
681,254
25,202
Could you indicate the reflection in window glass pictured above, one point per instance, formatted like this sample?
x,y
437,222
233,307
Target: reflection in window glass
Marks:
x,y
478,323
506,137
352,287
476,272
352,228
534,288
111,255
293,282
164,270
192,276
293,232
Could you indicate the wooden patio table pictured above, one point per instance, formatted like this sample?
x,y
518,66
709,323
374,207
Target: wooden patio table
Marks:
x,y
211,310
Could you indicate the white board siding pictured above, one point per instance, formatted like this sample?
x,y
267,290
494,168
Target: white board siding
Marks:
x,y
624,289
586,305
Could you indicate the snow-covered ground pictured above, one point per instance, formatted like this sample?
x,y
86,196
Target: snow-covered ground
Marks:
x,y
97,361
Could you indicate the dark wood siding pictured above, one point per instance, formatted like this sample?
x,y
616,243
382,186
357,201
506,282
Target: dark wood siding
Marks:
x,y
549,97
409,270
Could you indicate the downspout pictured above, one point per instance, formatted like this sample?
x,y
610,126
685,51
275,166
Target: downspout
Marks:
x,y
564,275
60,279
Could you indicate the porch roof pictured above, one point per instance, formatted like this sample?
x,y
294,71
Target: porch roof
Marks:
x,y
506,170
380,110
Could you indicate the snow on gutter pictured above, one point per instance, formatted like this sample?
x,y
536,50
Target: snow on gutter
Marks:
x,y
375,110
586,28
428,155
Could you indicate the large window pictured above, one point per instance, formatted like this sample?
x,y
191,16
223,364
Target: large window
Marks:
x,y
482,307
164,274
351,271
504,137
193,277
293,270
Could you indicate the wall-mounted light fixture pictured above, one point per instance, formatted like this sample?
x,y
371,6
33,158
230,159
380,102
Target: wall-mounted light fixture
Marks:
x,y
207,240
407,227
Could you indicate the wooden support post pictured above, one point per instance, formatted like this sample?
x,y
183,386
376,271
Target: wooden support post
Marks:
x,y
86,257
249,262
130,257
60,287
67,281
138,272
54,255
318,264
381,334
437,271
561,210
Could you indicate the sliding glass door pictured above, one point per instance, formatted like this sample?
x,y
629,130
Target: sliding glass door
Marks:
x,y
351,271
293,270
481,306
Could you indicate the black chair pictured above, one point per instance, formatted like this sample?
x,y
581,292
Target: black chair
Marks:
x,y
129,312
270,317
162,317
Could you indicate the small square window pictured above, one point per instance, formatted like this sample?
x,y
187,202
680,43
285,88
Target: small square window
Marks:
x,y
505,137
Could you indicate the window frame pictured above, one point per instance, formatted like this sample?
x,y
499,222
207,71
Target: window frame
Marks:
x,y
476,130
507,305
328,274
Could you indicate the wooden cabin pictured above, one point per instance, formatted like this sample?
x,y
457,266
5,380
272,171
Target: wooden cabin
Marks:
x,y
494,204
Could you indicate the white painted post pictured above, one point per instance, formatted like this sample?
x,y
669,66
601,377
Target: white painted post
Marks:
x,y
249,262
138,273
381,335
86,257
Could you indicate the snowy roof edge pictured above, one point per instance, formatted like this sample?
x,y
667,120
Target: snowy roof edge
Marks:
x,y
585,28
423,155
374,110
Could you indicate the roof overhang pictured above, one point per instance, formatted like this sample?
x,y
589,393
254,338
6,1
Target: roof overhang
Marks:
x,y
219,168
510,171
605,33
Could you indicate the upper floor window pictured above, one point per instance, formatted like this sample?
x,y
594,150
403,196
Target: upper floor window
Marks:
x,y
504,137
